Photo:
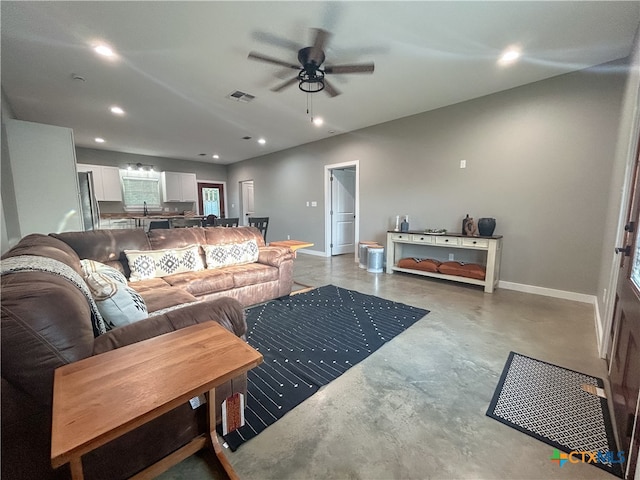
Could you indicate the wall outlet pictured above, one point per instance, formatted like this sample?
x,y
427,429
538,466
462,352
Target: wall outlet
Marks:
x,y
314,204
288,237
463,164
451,257
307,204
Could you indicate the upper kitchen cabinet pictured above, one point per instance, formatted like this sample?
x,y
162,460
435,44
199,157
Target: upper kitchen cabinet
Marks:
x,y
106,182
179,187
42,161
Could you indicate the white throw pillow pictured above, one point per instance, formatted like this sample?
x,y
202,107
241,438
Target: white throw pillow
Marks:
x,y
160,263
91,266
218,256
118,303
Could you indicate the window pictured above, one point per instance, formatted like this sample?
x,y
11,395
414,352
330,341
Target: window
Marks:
x,y
141,187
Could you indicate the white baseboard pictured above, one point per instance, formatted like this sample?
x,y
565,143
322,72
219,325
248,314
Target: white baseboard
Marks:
x,y
313,252
548,292
599,330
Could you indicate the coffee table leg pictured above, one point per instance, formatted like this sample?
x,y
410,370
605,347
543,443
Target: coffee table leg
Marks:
x,y
76,468
213,435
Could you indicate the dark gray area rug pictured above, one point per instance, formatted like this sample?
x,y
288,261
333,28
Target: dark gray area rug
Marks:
x,y
308,340
549,403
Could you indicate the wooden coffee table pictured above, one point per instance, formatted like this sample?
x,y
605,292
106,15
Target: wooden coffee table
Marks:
x,y
100,398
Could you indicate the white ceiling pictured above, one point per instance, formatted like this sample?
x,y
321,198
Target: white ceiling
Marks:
x,y
178,61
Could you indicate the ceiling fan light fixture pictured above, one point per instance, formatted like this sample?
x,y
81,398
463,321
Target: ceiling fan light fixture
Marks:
x,y
510,55
311,82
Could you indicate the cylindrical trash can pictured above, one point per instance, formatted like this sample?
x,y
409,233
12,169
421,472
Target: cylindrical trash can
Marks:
x,y
362,253
375,258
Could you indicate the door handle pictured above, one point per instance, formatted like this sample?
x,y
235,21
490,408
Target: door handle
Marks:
x,y
626,250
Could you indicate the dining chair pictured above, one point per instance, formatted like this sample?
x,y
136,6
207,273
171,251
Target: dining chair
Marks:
x,y
261,223
209,220
226,222
157,224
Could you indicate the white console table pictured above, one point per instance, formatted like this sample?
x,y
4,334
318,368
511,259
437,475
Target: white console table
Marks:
x,y
491,245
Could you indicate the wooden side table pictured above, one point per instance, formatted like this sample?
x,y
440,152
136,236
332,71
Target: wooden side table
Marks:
x,y
294,245
100,398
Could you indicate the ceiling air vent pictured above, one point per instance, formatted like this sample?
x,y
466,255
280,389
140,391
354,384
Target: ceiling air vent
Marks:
x,y
241,96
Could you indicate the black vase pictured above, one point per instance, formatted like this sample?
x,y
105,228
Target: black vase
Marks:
x,y
486,226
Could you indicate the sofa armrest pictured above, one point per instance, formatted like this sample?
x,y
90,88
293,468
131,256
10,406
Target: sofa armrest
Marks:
x,y
227,311
274,256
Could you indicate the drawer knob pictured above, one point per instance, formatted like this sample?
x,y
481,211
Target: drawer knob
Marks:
x,y
446,239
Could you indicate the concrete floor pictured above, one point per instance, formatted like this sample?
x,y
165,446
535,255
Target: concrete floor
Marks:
x,y
415,409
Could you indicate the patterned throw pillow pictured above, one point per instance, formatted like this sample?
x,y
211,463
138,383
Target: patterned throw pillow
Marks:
x,y
118,303
218,256
160,263
91,266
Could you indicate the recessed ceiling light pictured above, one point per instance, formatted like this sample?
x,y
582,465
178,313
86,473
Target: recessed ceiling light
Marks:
x,y
262,141
318,121
117,110
216,156
509,56
104,50
99,140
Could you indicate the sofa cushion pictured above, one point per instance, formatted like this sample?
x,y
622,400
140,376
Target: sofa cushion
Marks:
x,y
91,266
160,263
164,297
224,235
118,303
148,284
46,246
106,246
202,283
225,255
252,273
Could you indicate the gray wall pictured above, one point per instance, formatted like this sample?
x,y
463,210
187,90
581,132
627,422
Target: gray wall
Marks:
x,y
539,160
10,227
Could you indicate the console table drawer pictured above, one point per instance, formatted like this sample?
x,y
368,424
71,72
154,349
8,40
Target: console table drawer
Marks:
x,y
447,241
475,242
422,238
400,236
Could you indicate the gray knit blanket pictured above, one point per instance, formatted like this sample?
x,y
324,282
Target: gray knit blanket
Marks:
x,y
34,263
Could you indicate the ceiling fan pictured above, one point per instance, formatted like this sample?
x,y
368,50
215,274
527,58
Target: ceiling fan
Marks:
x,y
311,72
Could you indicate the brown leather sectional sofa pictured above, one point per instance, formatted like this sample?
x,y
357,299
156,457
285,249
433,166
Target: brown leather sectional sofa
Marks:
x,y
47,323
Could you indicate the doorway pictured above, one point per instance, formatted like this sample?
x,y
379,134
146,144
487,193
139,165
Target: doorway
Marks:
x,y
211,199
624,367
247,201
342,207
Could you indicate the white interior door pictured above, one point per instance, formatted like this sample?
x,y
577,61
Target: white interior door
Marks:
x,y
343,210
248,209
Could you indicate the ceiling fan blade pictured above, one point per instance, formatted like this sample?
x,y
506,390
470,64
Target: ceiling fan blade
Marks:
x,y
284,85
330,89
316,54
355,68
264,58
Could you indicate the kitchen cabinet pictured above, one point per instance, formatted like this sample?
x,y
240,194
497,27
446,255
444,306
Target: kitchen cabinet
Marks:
x,y
42,161
106,182
179,187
